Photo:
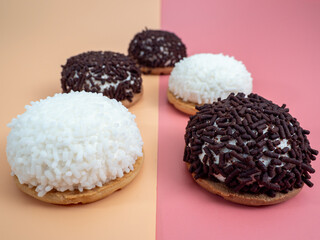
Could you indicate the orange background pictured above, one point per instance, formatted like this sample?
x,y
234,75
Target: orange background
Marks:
x,y
36,38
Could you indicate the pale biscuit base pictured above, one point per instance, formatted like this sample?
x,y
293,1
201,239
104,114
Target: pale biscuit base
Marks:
x,y
87,196
135,99
156,71
186,107
243,198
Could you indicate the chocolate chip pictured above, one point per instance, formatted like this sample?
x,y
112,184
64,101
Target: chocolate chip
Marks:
x,y
271,171
232,175
254,125
249,172
284,150
313,151
307,168
271,154
234,147
291,160
261,166
270,145
208,140
261,144
225,138
308,182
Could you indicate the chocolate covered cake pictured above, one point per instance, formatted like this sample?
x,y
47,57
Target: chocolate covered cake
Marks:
x,y
113,74
156,51
248,150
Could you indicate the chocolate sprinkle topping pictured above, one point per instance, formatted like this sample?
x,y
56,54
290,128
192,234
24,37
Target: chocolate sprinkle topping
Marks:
x,y
250,144
156,48
113,74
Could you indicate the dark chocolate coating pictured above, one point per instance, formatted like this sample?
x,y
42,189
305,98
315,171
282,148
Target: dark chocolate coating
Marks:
x,y
238,135
92,71
156,48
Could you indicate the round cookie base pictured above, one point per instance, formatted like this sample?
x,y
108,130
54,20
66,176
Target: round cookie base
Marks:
x,y
87,196
156,71
135,99
244,198
186,107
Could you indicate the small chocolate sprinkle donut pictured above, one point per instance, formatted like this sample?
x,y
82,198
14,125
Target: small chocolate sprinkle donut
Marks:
x,y
251,146
156,50
113,74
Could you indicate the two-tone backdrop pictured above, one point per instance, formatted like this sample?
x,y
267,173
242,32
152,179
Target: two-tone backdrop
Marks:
x,y
278,41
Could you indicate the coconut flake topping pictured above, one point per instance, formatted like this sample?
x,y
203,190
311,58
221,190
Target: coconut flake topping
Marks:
x,y
203,78
72,142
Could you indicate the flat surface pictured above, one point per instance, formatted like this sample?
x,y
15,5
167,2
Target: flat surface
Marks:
x,y
36,38
278,41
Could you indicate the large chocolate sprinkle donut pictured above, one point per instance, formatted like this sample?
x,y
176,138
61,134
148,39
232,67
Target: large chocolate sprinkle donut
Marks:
x,y
250,145
113,74
156,49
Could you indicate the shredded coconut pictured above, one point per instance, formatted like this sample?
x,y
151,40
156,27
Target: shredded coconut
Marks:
x,y
72,141
203,78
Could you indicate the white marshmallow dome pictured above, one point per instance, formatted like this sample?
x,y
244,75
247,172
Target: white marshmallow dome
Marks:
x,y
203,78
73,141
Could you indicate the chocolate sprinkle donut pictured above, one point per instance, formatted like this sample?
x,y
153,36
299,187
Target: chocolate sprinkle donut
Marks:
x,y
113,74
156,48
250,144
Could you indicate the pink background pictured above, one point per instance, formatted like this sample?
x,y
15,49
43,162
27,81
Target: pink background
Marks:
x,y
279,42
